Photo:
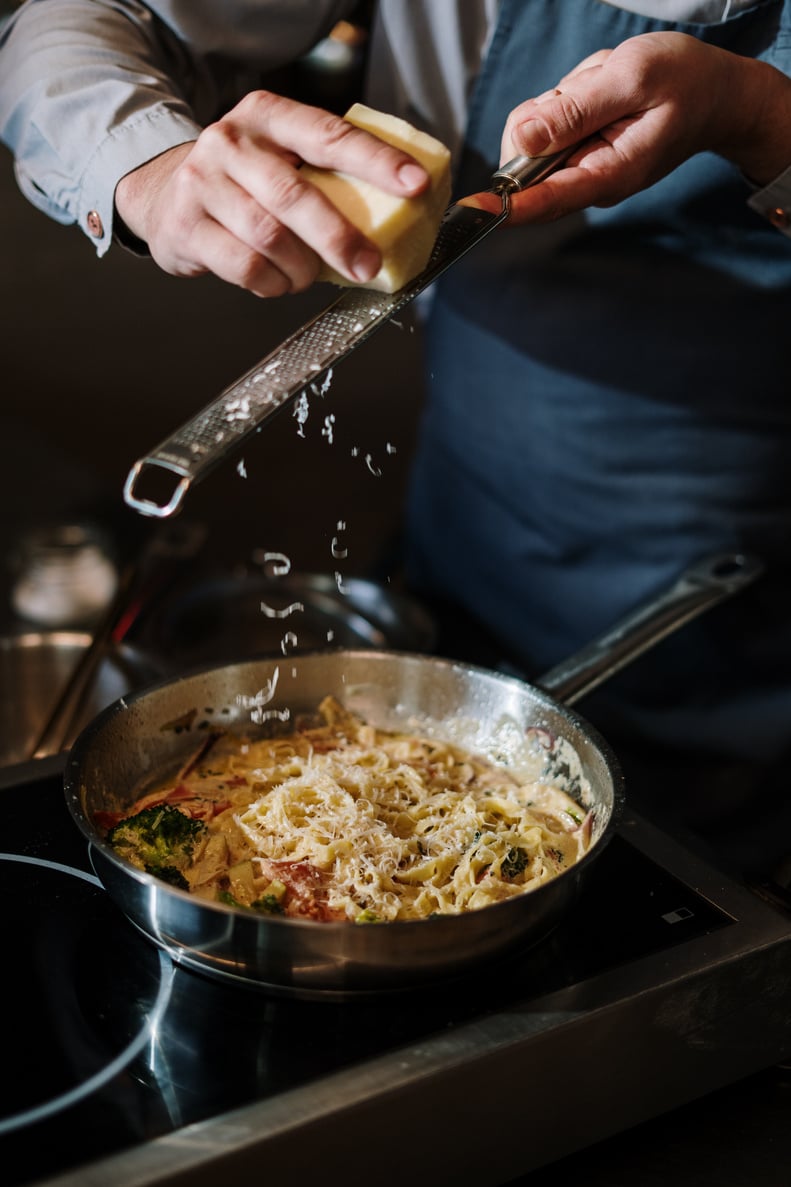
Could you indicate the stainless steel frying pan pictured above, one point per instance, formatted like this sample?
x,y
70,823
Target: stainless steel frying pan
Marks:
x,y
142,736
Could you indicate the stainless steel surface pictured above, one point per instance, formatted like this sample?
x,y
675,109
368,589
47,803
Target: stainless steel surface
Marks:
x,y
58,727
36,666
521,172
138,582
301,363
136,740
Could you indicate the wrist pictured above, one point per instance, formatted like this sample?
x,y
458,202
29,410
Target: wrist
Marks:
x,y
758,139
137,191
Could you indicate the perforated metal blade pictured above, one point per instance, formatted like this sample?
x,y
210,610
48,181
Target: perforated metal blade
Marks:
x,y
302,362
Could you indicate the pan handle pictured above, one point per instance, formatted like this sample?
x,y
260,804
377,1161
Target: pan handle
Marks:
x,y
706,583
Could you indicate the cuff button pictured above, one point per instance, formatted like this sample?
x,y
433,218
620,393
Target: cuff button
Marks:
x,y
94,224
778,216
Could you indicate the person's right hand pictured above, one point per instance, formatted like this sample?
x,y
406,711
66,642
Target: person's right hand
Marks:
x,y
233,202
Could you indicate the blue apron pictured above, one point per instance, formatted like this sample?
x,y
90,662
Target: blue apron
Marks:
x,y
609,400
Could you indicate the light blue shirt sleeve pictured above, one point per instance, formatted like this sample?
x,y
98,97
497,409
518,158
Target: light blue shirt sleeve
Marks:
x,y
91,89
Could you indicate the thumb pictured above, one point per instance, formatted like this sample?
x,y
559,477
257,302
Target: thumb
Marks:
x,y
562,117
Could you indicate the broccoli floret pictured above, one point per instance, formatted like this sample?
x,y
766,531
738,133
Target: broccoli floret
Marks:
x,y
367,916
514,863
270,904
160,840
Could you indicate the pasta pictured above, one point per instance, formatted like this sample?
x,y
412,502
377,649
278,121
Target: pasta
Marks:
x,y
345,821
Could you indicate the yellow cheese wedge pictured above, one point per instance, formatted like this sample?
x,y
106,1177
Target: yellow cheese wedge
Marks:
x,y
404,229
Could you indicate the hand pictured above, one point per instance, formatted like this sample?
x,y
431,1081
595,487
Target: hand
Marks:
x,y
233,202
638,111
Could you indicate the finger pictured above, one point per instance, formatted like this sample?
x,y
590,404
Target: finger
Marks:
x,y
567,115
233,261
330,142
583,182
279,191
485,200
596,59
234,150
264,234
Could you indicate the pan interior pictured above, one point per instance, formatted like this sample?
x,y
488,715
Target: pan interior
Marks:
x,y
144,737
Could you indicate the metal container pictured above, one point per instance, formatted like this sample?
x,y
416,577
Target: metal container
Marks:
x,y
35,667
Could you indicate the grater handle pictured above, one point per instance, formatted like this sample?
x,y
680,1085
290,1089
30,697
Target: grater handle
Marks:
x,y
521,172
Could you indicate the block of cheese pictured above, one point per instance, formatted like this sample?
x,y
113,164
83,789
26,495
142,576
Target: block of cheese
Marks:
x,y
404,229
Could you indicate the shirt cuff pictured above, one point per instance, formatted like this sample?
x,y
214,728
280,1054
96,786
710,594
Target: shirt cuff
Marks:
x,y
773,202
126,148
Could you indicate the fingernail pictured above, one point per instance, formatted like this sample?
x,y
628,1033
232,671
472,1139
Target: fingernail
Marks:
x,y
365,264
533,137
412,177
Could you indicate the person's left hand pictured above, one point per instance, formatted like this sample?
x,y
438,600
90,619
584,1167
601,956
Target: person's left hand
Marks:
x,y
640,110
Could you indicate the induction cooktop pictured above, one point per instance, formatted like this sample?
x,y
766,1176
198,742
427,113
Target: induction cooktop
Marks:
x,y
665,982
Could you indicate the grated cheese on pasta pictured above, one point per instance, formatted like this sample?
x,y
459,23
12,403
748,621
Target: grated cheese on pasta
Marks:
x,y
344,821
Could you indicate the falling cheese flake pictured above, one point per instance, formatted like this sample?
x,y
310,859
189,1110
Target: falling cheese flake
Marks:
x,y
240,469
337,550
281,565
327,431
262,697
259,716
258,713
301,411
272,612
288,640
375,470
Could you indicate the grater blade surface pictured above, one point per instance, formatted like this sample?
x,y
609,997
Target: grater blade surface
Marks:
x,y
300,364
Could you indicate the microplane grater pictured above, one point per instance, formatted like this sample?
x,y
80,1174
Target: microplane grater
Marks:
x,y
304,359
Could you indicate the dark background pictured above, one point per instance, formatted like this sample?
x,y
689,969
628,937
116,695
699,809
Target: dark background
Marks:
x,y
103,359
